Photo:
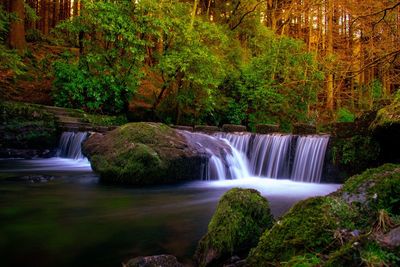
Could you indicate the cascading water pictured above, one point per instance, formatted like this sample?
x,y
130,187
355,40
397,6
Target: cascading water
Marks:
x,y
270,155
309,158
266,156
70,145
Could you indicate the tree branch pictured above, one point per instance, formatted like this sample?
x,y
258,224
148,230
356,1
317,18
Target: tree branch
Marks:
x,y
245,14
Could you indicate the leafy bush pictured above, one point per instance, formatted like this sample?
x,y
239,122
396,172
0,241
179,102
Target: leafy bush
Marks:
x,y
111,54
345,115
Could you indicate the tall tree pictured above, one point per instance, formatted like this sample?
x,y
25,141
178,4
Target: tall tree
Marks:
x,y
16,38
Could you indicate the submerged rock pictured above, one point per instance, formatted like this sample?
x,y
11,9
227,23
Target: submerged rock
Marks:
x,y
143,154
241,217
154,261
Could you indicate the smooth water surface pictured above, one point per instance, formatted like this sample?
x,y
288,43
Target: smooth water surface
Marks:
x,y
54,212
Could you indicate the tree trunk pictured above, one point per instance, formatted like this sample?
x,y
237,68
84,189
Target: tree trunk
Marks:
x,y
196,2
329,82
16,37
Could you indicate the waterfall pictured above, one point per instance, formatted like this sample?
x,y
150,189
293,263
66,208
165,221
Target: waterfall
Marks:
x,y
281,156
70,145
309,158
270,155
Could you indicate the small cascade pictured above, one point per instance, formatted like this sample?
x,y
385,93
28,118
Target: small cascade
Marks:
x,y
270,155
224,160
215,169
70,145
309,158
240,141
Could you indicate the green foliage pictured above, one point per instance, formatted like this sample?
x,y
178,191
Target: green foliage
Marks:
x,y
345,115
241,216
374,255
306,260
280,81
355,154
191,65
112,53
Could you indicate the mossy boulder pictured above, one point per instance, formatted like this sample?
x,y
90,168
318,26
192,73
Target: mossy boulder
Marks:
x,y
26,127
375,189
143,154
309,226
241,217
387,116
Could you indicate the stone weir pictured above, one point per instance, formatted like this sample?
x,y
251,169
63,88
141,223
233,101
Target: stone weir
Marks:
x,y
153,153
72,120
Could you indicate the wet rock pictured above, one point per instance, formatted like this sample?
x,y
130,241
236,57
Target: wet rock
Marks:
x,y
391,239
241,217
230,128
151,153
183,128
26,153
154,261
34,178
374,189
304,129
206,129
267,128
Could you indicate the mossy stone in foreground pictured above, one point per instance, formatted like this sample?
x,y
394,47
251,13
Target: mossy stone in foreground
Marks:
x,y
375,189
308,227
241,217
142,154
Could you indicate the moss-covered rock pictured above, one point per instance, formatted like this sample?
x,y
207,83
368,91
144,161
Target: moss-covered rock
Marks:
x,y
241,217
375,189
309,226
387,116
143,154
26,126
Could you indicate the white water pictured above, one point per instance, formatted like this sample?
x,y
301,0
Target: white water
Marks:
x,y
309,159
70,145
239,156
269,156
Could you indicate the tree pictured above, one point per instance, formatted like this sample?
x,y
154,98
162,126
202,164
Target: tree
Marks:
x,y
108,70
16,38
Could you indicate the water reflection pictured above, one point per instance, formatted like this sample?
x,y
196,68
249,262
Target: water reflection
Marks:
x,y
73,220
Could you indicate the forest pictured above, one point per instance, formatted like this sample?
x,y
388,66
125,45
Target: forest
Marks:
x,y
204,61
142,133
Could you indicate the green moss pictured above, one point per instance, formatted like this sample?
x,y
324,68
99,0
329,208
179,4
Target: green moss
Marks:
x,y
374,255
141,154
104,120
241,217
306,260
388,115
378,188
308,227
27,126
